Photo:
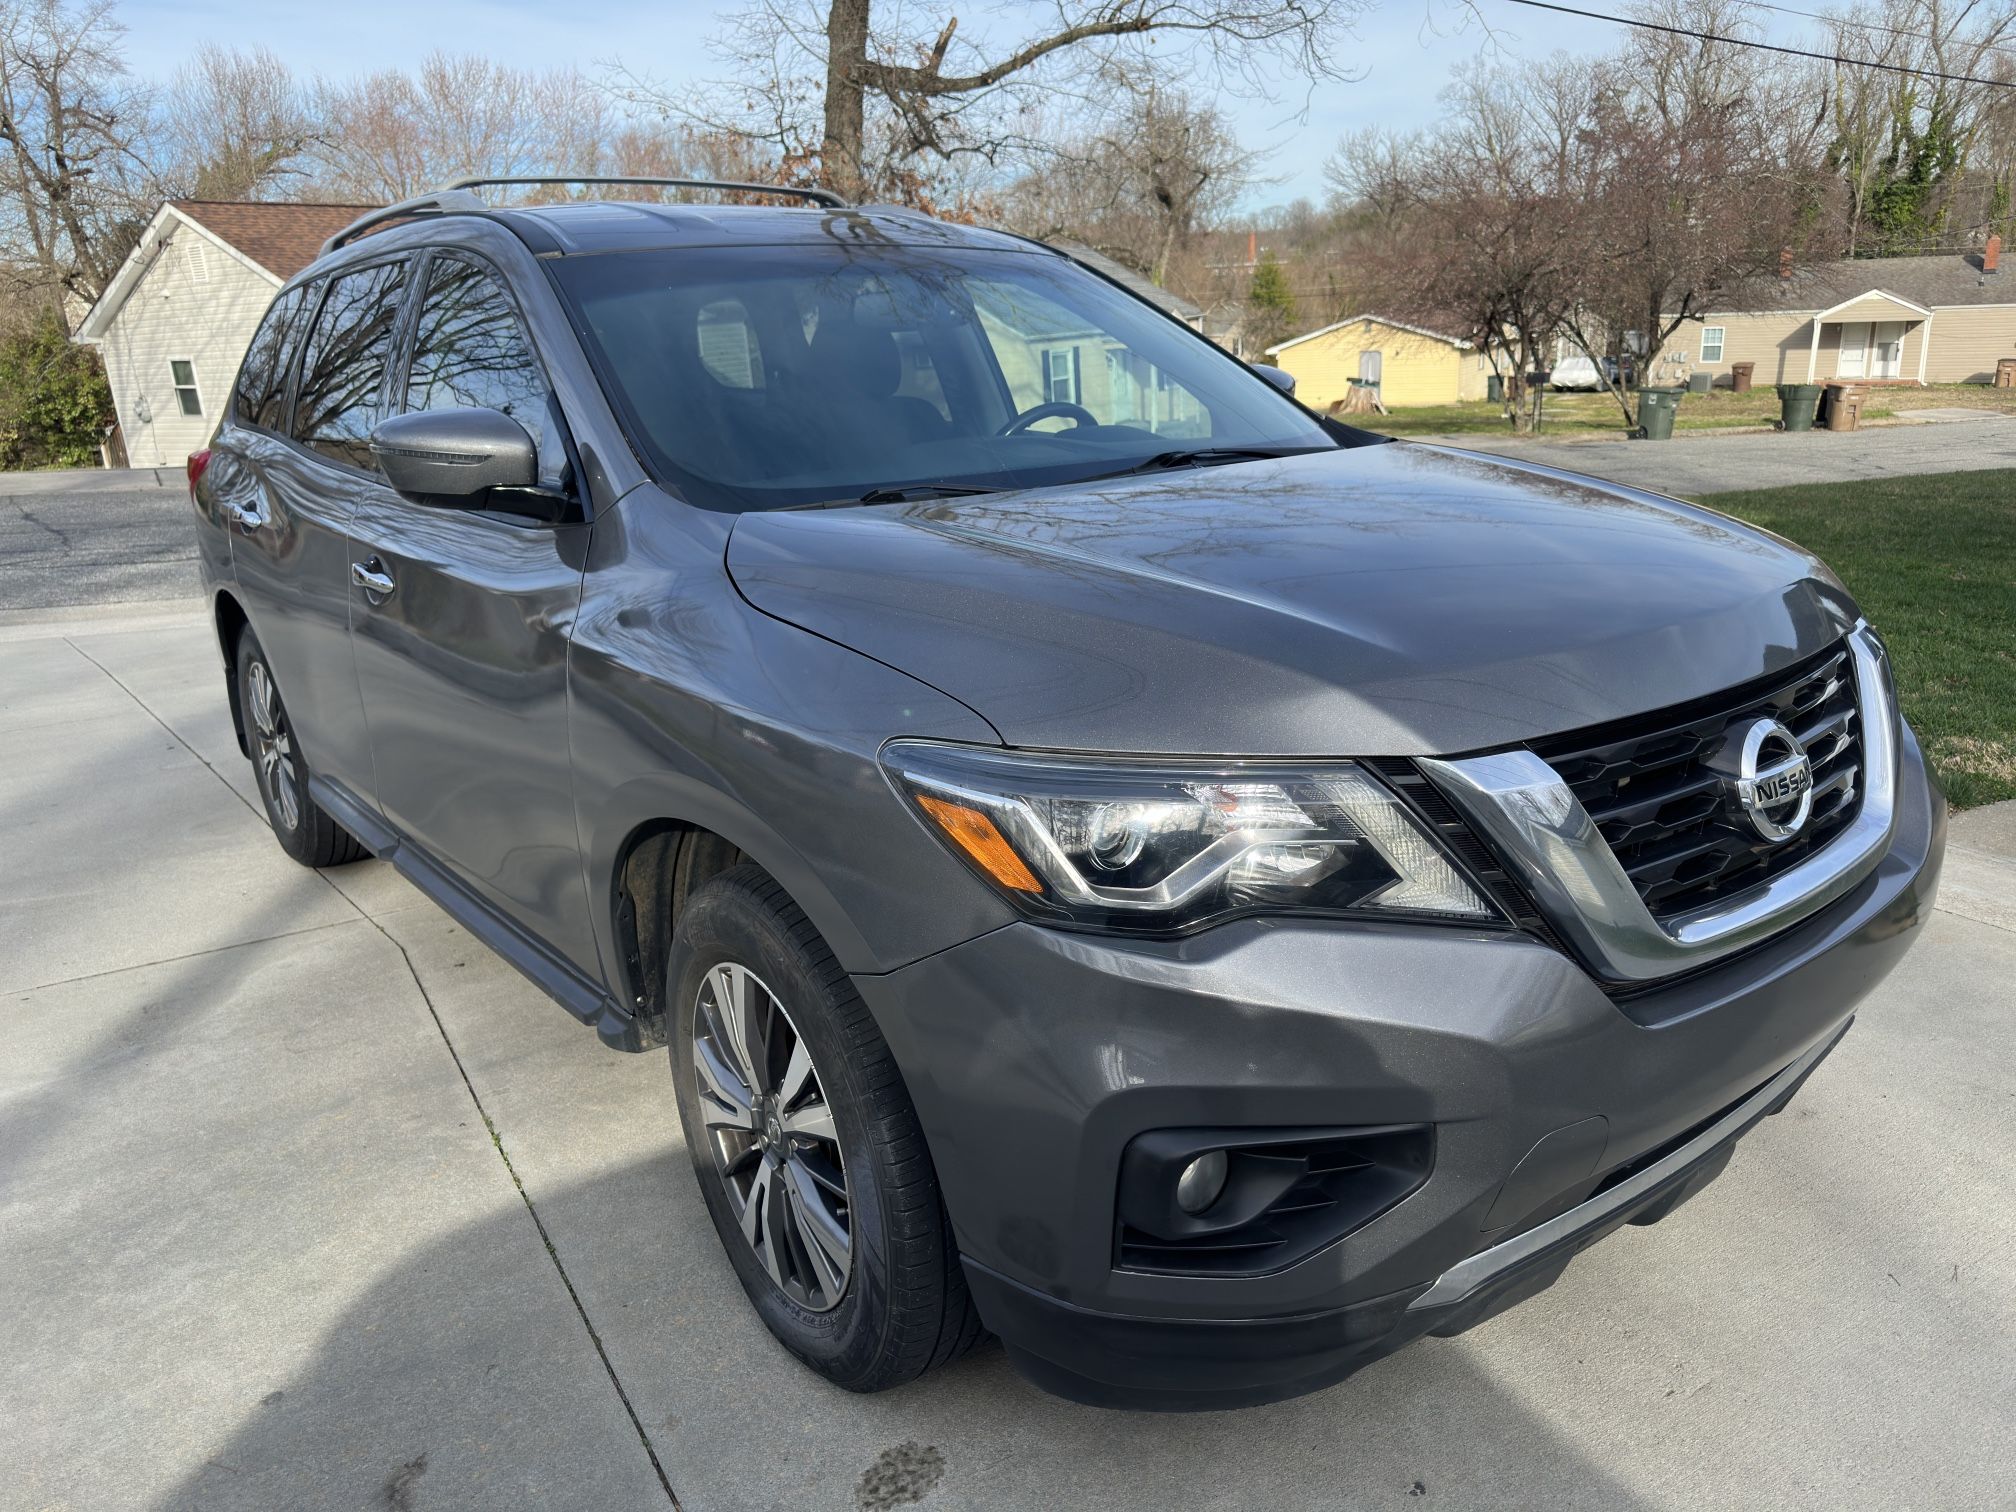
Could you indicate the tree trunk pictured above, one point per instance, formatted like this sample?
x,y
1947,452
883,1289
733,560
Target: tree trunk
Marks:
x,y
846,51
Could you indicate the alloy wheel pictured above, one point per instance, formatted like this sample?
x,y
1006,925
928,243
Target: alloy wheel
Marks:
x,y
273,742
771,1128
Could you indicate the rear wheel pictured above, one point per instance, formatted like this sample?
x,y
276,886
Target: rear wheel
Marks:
x,y
304,831
806,1145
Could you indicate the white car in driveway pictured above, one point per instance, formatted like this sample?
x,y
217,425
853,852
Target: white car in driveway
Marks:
x,y
1580,372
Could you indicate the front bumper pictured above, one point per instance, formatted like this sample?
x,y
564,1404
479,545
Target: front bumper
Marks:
x,y
1035,1056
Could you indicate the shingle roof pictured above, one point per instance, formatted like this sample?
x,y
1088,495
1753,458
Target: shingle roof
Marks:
x,y
1953,279
282,239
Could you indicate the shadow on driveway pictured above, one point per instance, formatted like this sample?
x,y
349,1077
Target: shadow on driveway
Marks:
x,y
739,1424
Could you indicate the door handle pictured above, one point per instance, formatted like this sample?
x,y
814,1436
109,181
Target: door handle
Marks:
x,y
243,518
372,578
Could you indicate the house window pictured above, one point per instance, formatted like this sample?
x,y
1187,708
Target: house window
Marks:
x,y
183,373
1060,375
1711,343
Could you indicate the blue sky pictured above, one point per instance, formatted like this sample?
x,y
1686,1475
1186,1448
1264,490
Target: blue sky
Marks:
x,y
1403,50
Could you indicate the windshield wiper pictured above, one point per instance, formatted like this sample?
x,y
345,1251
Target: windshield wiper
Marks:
x,y
898,495
1204,456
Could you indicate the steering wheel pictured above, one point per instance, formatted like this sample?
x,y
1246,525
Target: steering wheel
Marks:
x,y
1077,414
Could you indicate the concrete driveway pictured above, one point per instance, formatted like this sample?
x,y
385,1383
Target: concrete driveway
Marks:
x,y
307,1201
1698,462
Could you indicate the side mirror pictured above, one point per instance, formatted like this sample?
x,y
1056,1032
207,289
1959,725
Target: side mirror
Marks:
x,y
1280,378
455,453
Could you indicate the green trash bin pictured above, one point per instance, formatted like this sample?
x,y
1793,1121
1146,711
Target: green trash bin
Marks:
x,y
1494,389
1656,409
1796,404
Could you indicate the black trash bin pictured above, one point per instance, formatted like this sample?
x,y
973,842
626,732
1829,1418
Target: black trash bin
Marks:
x,y
1657,408
1494,388
1796,405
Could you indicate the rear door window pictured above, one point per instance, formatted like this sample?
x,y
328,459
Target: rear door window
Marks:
x,y
343,365
469,352
260,396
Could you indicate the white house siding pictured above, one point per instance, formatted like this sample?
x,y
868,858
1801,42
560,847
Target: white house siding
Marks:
x,y
171,315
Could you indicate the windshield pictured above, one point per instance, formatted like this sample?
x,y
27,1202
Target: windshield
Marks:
x,y
767,377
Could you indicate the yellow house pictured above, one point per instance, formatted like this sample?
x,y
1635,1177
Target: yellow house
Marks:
x,y
1409,364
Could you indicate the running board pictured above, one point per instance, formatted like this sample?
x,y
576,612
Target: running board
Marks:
x,y
584,999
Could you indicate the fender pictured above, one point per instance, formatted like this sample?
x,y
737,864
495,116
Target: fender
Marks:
x,y
678,711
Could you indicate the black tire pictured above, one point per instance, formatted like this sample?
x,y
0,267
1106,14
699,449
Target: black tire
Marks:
x,y
904,1308
304,831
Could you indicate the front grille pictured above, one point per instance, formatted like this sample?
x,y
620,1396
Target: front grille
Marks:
x,y
1663,811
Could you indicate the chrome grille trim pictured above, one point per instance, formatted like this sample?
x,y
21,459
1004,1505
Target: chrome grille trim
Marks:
x,y
1533,818
1650,784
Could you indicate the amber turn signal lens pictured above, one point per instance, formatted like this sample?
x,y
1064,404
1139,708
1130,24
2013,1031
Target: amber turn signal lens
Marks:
x,y
974,833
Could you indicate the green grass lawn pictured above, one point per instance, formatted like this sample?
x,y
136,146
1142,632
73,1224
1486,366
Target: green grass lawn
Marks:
x,y
1567,416
1932,560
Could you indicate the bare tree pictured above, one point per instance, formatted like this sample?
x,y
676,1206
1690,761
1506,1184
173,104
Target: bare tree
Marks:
x,y
72,179
236,125
870,99
1139,186
1373,168
1594,198
1479,214
1677,210
1902,142
395,134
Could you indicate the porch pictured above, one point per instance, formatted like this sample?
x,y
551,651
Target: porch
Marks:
x,y
1877,337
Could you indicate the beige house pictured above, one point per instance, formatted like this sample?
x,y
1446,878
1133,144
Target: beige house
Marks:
x,y
1409,363
1940,319
174,323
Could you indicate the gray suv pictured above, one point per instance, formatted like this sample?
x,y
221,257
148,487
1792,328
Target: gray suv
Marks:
x,y
1118,860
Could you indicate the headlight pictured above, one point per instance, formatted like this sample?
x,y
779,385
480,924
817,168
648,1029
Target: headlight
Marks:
x,y
1153,846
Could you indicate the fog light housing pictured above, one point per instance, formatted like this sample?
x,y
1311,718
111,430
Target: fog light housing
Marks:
x,y
1202,1182
1250,1202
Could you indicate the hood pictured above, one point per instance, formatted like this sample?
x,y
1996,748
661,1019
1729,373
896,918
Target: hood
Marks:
x,y
1386,600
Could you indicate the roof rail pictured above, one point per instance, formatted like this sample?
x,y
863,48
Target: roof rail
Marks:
x,y
454,197
824,197
448,201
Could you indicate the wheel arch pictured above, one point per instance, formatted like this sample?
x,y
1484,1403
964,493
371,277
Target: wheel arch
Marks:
x,y
658,865
230,621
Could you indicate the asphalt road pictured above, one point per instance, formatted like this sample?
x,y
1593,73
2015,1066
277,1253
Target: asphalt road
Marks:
x,y
309,1201
1704,462
77,538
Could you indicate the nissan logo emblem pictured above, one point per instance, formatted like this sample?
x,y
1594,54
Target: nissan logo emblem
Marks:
x,y
1767,778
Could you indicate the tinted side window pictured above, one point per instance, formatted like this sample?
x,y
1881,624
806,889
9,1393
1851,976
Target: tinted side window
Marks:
x,y
343,367
468,349
260,397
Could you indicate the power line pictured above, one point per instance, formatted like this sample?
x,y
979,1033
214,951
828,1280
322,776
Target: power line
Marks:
x,y
1868,26
1796,52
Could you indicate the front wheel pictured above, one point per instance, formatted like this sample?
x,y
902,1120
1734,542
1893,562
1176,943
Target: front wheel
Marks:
x,y
304,831
806,1145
